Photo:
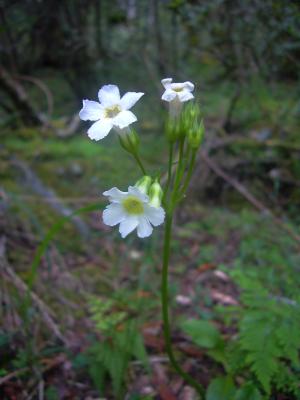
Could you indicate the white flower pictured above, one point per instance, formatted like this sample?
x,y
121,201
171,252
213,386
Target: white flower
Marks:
x,y
177,91
132,211
111,111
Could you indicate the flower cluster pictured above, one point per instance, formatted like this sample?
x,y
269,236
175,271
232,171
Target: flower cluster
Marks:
x,y
140,207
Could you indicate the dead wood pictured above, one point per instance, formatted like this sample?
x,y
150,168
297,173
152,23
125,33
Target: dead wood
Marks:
x,y
20,99
8,273
249,196
50,197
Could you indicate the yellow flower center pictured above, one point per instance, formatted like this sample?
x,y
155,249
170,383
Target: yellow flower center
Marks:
x,y
113,111
133,205
178,89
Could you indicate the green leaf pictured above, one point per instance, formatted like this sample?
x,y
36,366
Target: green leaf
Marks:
x,y
139,351
221,388
203,333
248,392
52,393
258,340
3,372
219,355
97,372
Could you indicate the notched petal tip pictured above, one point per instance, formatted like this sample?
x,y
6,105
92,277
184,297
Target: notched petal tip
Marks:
x,y
99,129
166,82
124,119
129,99
114,194
189,85
127,226
185,96
155,215
91,110
144,228
109,95
168,95
113,214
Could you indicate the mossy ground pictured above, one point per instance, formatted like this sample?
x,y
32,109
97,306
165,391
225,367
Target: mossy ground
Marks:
x,y
208,236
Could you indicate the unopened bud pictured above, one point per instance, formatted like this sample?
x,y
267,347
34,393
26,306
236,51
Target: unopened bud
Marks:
x,y
155,194
195,135
129,140
189,118
143,184
172,129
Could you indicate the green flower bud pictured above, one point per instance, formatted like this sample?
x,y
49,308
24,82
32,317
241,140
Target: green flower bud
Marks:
x,y
172,129
143,184
189,118
129,140
195,135
155,194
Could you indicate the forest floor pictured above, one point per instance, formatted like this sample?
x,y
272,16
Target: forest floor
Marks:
x,y
91,284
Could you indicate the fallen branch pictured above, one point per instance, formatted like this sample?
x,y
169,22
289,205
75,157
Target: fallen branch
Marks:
x,y
44,310
252,142
50,196
245,193
71,128
20,99
43,87
12,375
49,364
30,115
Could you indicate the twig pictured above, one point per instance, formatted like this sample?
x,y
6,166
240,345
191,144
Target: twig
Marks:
x,y
49,365
237,139
19,97
245,192
43,87
21,285
12,375
71,128
50,196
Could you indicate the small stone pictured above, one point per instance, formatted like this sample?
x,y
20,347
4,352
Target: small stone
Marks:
x,y
183,300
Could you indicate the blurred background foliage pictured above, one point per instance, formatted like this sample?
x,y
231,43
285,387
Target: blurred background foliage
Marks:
x,y
93,324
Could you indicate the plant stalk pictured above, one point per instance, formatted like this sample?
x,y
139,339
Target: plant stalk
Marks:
x,y
165,307
140,164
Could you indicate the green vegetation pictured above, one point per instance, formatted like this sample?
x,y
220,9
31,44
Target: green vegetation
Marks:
x,y
93,327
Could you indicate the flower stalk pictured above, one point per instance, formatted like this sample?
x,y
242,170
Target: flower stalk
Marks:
x,y
178,191
140,207
165,307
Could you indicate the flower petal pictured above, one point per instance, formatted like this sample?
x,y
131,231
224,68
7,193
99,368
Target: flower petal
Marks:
x,y
129,99
100,129
109,95
134,191
168,95
91,110
189,86
177,86
155,215
144,228
185,96
166,82
124,118
128,225
115,195
113,214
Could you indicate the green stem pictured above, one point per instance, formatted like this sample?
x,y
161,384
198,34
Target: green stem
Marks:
x,y
189,174
179,166
138,160
170,165
165,308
